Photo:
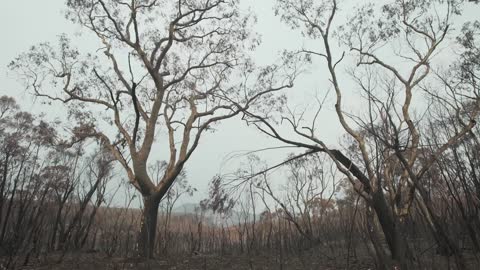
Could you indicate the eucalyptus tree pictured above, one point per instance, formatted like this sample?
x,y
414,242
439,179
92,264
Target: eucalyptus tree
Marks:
x,y
396,50
172,66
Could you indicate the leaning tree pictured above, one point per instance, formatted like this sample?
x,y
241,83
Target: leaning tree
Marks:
x,y
176,66
396,65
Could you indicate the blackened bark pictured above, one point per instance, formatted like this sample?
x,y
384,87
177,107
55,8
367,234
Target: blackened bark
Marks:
x,y
146,241
396,241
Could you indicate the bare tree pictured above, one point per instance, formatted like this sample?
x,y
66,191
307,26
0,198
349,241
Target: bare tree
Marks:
x,y
385,161
177,66
42,200
306,196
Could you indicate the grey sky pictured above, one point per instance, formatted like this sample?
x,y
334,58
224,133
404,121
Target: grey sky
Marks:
x,y
24,23
27,22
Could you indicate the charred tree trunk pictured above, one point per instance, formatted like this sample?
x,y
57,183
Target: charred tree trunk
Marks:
x,y
397,243
146,241
382,262
401,255
446,245
3,183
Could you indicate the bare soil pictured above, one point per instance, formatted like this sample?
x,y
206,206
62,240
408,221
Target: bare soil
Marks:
x,y
311,260
197,262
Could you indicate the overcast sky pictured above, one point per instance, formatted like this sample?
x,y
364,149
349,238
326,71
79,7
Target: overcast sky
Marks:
x,y
24,23
27,22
